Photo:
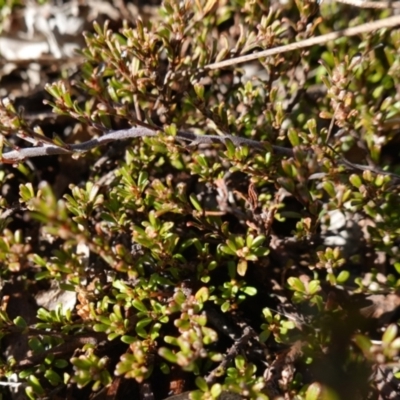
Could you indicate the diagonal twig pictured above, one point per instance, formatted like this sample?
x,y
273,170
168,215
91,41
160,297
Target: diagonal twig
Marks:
x,y
378,5
389,22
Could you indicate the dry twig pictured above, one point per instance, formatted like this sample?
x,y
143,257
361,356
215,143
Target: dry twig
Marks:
x,y
16,156
379,5
390,22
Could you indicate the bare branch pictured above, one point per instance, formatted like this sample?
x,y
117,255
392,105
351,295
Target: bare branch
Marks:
x,y
21,154
379,5
16,156
390,22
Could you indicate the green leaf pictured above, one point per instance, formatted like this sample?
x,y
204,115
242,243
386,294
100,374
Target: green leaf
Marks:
x,y
199,89
216,391
356,180
225,306
128,339
343,277
314,391
100,327
314,287
293,137
329,187
390,334
34,382
139,305
230,147
363,342
201,384
242,267
61,363
168,354
202,294
143,323
36,345
296,284
52,377
249,290
258,241
20,322
195,202
240,362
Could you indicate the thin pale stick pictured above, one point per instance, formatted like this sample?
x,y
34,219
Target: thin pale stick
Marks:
x,y
379,5
390,22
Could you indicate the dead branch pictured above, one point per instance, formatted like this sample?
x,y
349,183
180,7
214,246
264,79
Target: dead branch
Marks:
x,y
390,22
